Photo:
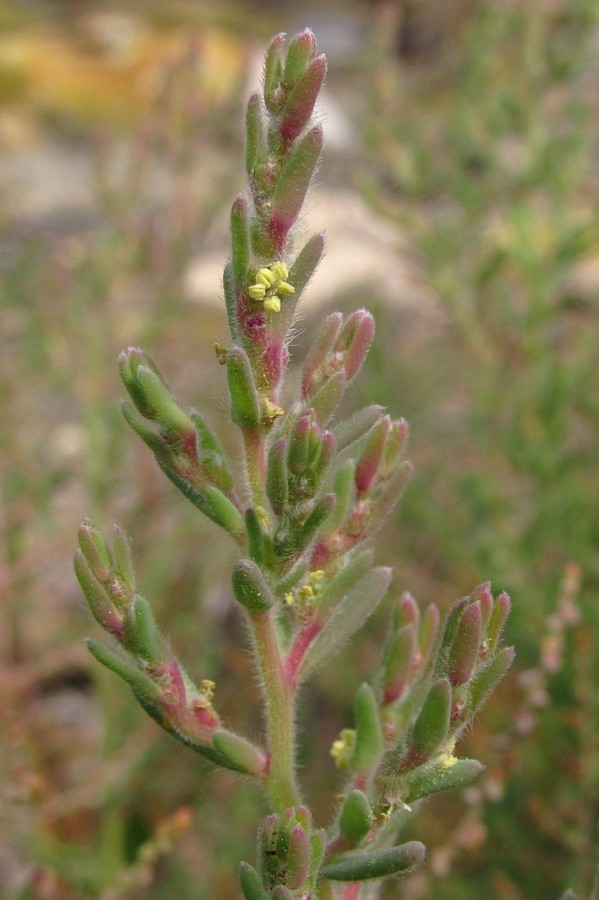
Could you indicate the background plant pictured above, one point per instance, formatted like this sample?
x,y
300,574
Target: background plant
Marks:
x,y
489,161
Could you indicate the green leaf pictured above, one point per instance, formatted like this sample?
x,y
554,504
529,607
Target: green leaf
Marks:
x,y
357,866
241,755
349,615
240,243
356,817
431,727
251,883
250,587
142,685
369,734
254,132
245,403
440,776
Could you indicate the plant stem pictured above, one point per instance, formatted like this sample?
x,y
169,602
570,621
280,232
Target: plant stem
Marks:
x,y
255,464
280,713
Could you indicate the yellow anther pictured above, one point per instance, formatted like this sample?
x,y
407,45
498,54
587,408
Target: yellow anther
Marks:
x,y
284,288
207,688
263,516
272,411
317,575
204,701
280,271
288,598
266,277
307,592
447,760
272,304
221,354
342,749
257,291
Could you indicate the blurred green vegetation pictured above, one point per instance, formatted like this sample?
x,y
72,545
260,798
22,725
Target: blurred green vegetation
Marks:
x,y
480,137
487,156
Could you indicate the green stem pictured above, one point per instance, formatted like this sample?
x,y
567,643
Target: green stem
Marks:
x,y
280,714
255,463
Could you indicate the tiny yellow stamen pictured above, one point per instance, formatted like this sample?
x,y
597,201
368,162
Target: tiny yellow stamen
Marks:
x,y
263,516
257,291
280,271
272,304
342,749
272,411
207,691
266,277
221,354
288,598
284,288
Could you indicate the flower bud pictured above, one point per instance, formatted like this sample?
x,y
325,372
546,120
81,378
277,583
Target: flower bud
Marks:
x,y
284,846
356,817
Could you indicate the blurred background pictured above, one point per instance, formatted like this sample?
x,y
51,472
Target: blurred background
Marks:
x,y
460,194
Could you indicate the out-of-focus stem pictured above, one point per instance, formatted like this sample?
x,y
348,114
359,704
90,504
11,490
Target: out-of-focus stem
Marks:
x,y
280,714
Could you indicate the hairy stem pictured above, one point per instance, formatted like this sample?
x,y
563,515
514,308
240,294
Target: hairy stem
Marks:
x,y
280,713
255,464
